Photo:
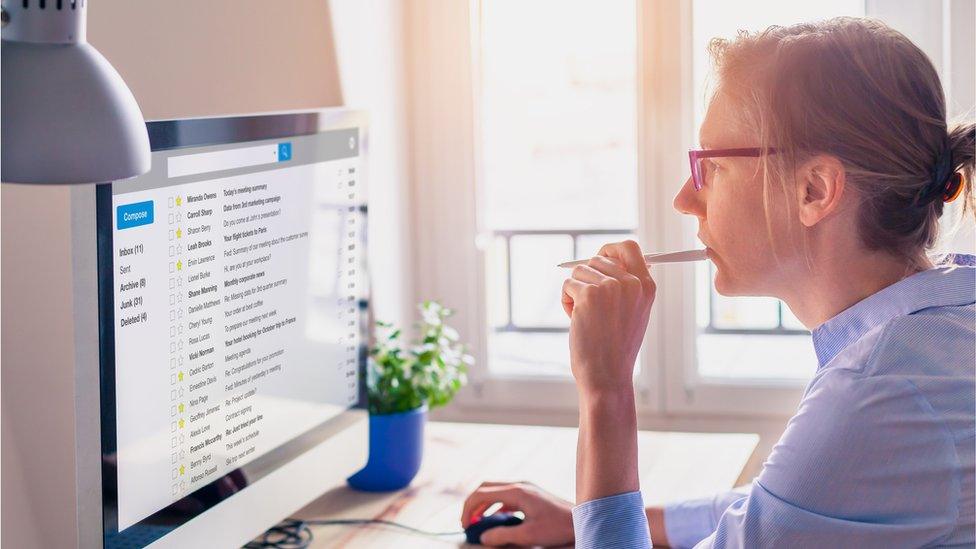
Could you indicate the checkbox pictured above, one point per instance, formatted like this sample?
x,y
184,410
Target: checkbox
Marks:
x,y
172,379
172,410
172,347
172,331
172,283
172,363
175,474
172,267
172,394
173,427
173,443
172,251
171,218
172,314
172,234
173,461
172,299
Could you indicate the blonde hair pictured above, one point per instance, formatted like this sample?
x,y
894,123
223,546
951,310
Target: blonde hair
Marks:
x,y
862,92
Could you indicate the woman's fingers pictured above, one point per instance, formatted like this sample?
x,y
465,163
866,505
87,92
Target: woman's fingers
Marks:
x,y
571,291
508,495
590,275
629,254
608,266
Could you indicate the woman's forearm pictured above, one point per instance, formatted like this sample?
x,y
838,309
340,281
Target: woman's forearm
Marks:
x,y
655,522
606,460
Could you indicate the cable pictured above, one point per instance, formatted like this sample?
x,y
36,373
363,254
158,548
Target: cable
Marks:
x,y
288,534
296,534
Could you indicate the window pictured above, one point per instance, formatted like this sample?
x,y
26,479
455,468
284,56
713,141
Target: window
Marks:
x,y
558,160
574,118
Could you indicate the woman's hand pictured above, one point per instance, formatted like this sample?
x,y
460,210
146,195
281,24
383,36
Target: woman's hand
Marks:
x,y
608,301
548,519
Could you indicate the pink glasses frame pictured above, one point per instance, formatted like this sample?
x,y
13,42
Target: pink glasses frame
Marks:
x,y
695,155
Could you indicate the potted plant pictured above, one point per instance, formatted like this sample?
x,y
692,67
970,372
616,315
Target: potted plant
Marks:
x,y
404,382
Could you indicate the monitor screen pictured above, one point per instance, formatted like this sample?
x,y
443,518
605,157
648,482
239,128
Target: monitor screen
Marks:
x,y
232,288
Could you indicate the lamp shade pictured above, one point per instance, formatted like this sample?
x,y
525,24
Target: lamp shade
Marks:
x,y
67,115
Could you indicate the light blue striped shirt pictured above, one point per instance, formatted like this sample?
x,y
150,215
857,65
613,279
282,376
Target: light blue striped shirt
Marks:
x,y
881,451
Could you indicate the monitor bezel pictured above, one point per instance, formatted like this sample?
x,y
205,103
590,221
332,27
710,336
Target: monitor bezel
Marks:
x,y
166,135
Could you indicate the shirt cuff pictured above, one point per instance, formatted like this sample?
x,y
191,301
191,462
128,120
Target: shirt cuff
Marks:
x,y
614,521
688,522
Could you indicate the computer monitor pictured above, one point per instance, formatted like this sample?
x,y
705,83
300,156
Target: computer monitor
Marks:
x,y
232,297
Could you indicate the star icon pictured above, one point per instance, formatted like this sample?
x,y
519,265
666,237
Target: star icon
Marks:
x,y
179,200
182,423
179,233
179,265
181,407
181,379
182,470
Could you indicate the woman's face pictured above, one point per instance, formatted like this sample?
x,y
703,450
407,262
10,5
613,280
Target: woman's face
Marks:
x,y
729,207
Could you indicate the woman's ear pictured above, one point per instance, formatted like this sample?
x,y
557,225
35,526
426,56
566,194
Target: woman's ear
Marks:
x,y
820,186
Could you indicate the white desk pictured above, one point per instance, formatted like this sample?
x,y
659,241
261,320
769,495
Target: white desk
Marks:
x,y
459,456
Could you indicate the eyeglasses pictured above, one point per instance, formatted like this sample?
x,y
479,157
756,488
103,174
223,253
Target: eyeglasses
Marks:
x,y
699,175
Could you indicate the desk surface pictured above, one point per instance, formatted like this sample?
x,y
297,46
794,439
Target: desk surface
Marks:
x,y
459,456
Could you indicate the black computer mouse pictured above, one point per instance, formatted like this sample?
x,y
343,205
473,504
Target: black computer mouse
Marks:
x,y
475,529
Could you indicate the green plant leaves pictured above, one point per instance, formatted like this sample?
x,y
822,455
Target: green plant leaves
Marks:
x,y
431,371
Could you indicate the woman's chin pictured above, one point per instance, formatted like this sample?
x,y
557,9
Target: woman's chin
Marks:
x,y
725,285
721,285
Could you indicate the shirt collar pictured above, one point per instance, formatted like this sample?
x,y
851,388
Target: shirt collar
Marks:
x,y
949,285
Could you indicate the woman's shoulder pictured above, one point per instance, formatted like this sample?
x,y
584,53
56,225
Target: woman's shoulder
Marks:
x,y
856,432
912,366
937,342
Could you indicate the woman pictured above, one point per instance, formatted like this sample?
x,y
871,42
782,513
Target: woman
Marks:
x,y
827,164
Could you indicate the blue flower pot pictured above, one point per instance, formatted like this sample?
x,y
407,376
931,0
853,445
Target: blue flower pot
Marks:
x,y
396,448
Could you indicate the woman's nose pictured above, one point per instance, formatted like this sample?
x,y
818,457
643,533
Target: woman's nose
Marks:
x,y
689,201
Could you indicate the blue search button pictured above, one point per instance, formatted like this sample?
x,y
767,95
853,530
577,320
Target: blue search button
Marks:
x,y
284,152
134,215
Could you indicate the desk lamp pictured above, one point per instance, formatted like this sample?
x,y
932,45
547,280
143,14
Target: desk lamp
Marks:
x,y
67,117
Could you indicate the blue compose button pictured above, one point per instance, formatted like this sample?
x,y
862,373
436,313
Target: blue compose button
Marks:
x,y
284,151
134,215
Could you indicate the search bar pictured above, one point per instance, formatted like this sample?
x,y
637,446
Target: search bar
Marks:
x,y
215,161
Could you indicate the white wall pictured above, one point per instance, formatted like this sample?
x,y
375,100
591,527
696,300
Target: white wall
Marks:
x,y
369,37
